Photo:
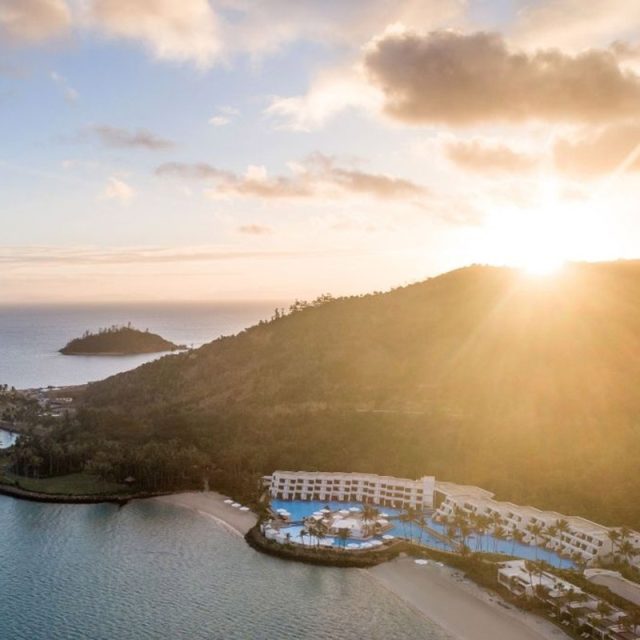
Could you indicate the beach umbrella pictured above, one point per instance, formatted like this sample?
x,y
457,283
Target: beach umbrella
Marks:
x,y
228,501
352,545
421,562
244,508
354,509
326,511
376,543
388,536
236,505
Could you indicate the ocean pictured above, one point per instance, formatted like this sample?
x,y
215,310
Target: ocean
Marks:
x,y
154,571
30,336
150,571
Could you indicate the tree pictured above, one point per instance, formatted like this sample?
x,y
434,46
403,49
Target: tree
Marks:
x,y
369,517
614,538
344,533
627,550
516,536
535,529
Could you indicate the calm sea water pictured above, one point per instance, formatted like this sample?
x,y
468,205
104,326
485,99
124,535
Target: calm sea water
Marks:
x,y
30,337
148,570
153,571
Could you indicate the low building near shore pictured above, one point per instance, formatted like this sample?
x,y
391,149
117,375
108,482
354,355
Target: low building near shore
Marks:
x,y
572,607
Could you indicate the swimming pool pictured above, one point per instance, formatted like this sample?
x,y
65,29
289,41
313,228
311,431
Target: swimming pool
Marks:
x,y
300,509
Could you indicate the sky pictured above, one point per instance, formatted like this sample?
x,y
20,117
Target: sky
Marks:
x,y
278,149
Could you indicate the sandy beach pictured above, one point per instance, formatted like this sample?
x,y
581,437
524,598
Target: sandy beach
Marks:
x,y
462,608
212,505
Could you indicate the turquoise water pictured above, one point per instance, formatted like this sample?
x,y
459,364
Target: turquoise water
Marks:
x,y
153,571
299,509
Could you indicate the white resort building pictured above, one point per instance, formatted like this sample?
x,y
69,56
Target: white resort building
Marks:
x,y
357,487
567,535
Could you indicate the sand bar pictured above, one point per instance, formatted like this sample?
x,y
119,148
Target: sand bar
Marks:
x,y
462,608
210,503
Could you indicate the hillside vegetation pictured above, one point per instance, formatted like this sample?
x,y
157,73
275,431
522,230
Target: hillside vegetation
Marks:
x,y
528,387
118,341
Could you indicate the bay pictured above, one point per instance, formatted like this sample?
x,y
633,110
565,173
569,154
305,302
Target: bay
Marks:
x,y
155,571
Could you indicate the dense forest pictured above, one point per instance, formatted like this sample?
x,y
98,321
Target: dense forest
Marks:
x,y
528,387
118,340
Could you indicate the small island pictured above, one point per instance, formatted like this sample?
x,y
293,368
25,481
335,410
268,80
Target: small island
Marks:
x,y
118,340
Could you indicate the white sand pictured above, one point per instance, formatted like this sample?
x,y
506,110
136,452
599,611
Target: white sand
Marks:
x,y
212,505
462,608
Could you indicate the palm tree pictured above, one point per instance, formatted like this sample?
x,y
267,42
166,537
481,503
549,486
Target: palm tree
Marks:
x,y
531,568
343,535
535,529
562,525
614,538
369,516
627,550
579,561
551,531
482,524
464,530
499,533
516,536
321,530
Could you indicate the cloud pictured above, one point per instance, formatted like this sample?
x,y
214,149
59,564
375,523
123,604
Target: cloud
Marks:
x,y
224,116
260,27
19,257
141,138
185,31
592,153
456,79
255,230
33,21
625,50
69,93
575,25
117,189
317,176
331,92
488,157
204,32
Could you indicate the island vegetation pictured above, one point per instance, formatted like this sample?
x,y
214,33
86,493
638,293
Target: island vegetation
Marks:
x,y
118,340
527,387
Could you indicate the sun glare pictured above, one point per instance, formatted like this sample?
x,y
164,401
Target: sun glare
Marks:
x,y
541,239
543,265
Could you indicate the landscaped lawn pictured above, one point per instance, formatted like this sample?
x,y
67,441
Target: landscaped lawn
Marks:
x,y
74,483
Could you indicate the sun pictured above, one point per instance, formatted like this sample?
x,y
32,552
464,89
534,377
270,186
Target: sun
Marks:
x,y
542,265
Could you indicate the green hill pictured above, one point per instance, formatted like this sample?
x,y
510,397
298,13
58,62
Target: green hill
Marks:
x,y
118,341
525,386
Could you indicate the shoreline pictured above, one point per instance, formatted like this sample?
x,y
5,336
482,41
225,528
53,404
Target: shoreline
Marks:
x,y
211,504
458,605
62,498
436,591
